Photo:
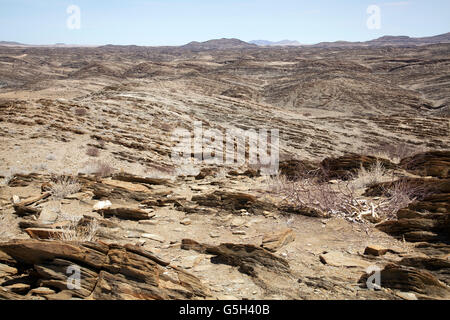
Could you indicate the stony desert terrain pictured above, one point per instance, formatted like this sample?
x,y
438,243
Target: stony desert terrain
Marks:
x,y
87,177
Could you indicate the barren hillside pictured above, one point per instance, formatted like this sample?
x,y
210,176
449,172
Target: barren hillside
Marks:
x,y
85,161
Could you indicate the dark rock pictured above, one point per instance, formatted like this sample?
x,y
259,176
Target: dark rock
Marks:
x,y
125,213
433,163
346,166
249,258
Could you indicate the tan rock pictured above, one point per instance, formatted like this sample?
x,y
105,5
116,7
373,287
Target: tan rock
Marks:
x,y
42,291
338,259
125,213
375,250
154,237
106,272
276,240
186,221
20,288
43,233
6,270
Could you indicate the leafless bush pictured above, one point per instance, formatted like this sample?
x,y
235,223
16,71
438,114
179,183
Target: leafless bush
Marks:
x,y
98,168
92,152
73,231
331,200
400,194
81,112
63,186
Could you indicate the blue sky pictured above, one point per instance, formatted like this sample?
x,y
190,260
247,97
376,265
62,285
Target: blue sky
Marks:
x,y
175,22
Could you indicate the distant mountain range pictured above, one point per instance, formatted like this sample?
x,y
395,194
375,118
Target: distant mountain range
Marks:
x,y
221,44
218,44
383,41
388,41
277,43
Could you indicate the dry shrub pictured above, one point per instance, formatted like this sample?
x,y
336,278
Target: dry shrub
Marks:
x,y
74,232
81,112
400,194
98,168
63,186
331,200
375,174
93,152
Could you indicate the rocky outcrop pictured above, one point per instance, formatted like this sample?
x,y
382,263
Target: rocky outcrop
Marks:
x,y
275,240
125,213
233,201
106,272
426,219
346,166
294,169
120,190
144,180
249,258
408,279
433,163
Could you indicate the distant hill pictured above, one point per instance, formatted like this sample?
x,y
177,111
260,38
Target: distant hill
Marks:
x,y
218,44
389,41
56,45
277,43
11,43
404,40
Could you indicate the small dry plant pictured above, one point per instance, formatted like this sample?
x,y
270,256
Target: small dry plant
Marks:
x,y
63,186
98,168
365,177
93,152
73,230
399,195
80,112
331,200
